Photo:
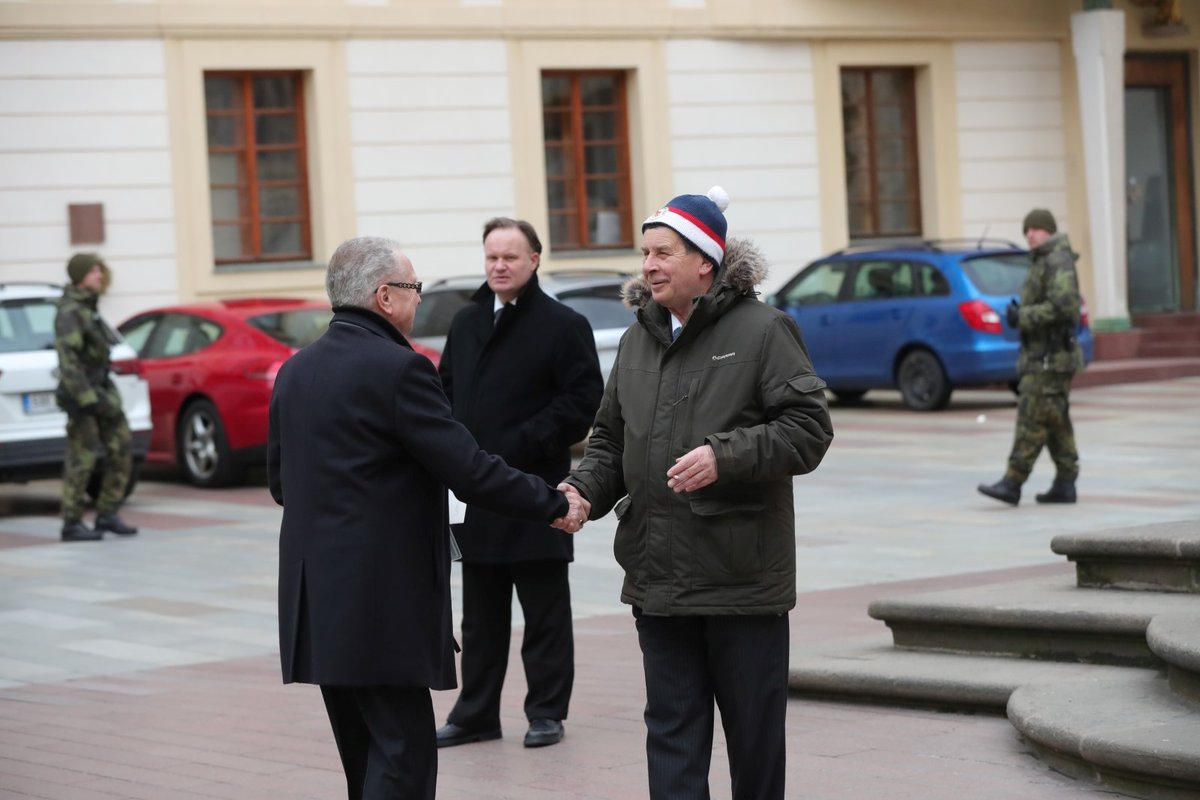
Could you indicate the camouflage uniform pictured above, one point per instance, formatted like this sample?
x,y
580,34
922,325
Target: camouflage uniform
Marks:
x,y
95,420
1050,356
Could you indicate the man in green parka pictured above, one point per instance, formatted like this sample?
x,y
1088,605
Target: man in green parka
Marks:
x,y
95,420
710,410
1047,317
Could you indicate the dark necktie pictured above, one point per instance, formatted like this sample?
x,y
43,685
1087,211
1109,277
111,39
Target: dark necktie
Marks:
x,y
499,311
675,333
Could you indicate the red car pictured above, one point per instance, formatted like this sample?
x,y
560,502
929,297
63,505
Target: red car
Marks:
x,y
211,368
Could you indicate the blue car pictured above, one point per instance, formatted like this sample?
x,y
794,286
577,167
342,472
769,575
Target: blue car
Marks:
x,y
924,318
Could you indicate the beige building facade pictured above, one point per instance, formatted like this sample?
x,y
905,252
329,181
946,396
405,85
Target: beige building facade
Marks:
x,y
230,146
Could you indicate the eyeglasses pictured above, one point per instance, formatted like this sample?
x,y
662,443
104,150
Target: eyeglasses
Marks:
x,y
416,287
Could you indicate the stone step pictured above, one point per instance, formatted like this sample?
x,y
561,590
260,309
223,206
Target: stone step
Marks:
x,y
1045,618
1163,557
1176,319
1129,732
869,669
1174,348
1175,638
1135,370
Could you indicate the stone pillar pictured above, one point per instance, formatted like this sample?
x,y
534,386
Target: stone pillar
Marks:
x,y
1098,39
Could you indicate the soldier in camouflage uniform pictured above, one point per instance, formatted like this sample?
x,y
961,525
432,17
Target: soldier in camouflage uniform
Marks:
x,y
95,419
1048,317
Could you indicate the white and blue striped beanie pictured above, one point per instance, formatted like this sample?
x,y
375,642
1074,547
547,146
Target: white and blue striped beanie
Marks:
x,y
699,218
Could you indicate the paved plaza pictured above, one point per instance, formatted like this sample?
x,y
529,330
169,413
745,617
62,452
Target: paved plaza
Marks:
x,y
146,667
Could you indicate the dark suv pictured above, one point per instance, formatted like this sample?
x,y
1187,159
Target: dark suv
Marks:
x,y
923,317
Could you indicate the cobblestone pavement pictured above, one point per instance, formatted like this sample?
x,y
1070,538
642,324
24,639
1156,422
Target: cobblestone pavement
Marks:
x,y
146,667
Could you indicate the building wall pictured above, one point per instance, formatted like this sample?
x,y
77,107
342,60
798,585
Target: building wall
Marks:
x,y
86,122
431,141
1011,142
742,117
424,119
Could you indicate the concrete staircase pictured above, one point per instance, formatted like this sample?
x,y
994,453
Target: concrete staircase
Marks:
x,y
1100,675
1159,347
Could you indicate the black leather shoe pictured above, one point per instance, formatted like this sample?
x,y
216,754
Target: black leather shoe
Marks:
x,y
114,524
543,732
78,532
1004,490
451,735
1060,492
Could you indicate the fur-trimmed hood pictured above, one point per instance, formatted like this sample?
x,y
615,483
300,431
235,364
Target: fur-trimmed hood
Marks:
x,y
744,268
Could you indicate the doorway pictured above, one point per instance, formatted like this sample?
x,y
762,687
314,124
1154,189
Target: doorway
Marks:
x,y
1158,185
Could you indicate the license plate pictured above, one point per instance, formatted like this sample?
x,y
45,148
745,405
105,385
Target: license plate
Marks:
x,y
39,403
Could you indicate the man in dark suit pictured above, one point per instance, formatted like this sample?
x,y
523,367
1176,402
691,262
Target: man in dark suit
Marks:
x,y
522,373
362,446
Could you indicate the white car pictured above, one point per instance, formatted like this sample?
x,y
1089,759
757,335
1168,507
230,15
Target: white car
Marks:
x,y
33,432
594,294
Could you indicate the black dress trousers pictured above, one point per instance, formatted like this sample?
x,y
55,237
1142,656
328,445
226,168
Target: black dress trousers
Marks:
x,y
547,649
386,738
741,662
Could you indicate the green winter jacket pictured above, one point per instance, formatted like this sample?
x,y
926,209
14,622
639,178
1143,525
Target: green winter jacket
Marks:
x,y
739,378
1050,310
83,355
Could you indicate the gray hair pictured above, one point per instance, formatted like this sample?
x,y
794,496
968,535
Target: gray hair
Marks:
x,y
357,268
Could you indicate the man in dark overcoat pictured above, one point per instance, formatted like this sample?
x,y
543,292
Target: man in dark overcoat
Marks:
x,y
361,448
522,373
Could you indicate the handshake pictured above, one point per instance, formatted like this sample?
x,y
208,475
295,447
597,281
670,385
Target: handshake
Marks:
x,y
691,471
578,509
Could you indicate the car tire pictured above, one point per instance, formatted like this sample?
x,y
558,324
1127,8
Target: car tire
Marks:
x,y
849,395
93,486
922,381
201,447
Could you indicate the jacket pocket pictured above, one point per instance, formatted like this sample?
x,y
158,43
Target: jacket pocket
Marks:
x,y
806,384
629,544
725,538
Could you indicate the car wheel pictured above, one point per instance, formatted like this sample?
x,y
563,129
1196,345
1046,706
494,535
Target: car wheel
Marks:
x,y
849,395
201,447
94,482
922,381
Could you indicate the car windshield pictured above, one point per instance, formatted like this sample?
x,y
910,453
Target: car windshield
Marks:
x,y
601,305
295,328
998,274
27,324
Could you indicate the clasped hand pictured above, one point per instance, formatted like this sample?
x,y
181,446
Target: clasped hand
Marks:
x,y
578,510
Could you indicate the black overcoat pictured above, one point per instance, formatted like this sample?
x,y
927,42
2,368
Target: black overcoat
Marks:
x,y
528,388
361,447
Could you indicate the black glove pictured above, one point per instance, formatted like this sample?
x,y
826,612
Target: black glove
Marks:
x,y
1013,314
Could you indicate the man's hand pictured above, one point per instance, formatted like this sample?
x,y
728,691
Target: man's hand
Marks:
x,y
693,470
577,510
1013,314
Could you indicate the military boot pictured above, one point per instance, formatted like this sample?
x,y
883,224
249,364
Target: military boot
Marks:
x,y
114,524
1005,490
78,532
1060,492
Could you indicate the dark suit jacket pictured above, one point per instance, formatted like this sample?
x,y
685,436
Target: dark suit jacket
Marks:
x,y
361,447
527,388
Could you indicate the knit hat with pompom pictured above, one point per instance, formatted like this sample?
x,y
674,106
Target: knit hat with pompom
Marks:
x,y
699,218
